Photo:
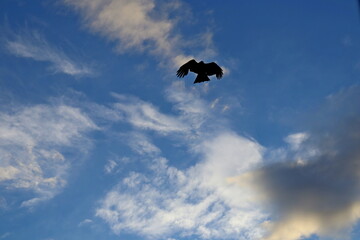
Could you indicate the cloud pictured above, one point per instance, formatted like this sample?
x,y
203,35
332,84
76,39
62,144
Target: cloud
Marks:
x,y
193,110
232,190
142,25
142,145
296,139
144,115
5,235
114,164
316,196
163,200
110,166
85,222
31,142
32,45
195,201
320,195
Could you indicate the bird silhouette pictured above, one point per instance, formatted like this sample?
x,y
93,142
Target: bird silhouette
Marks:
x,y
202,69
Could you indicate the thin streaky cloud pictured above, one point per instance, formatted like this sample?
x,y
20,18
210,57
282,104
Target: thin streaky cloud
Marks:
x,y
115,163
110,166
32,140
140,144
34,46
290,199
144,115
196,201
5,235
85,222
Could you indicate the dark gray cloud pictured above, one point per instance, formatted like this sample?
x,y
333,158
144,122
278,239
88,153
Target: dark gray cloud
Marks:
x,y
319,195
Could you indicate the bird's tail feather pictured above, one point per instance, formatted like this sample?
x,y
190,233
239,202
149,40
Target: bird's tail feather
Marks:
x,y
201,78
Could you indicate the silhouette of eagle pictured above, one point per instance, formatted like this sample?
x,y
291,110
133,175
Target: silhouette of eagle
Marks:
x,y
202,69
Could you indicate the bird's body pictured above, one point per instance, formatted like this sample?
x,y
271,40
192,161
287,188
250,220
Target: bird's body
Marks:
x,y
202,69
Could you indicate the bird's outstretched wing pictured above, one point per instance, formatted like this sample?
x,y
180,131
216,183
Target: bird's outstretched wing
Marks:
x,y
184,69
213,69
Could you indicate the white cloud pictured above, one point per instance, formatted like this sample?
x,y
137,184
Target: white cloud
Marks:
x,y
196,201
33,45
143,25
144,115
31,142
215,102
115,163
132,23
85,222
110,166
295,140
229,154
186,100
142,145
193,110
225,105
7,173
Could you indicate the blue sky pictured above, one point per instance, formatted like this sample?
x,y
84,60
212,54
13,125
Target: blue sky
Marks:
x,y
100,140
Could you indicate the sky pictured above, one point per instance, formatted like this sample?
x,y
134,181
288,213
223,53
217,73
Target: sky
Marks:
x,y
100,140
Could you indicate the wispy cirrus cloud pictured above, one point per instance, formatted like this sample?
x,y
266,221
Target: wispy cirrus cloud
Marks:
x,y
164,201
34,46
144,115
142,145
115,163
31,143
197,201
85,222
5,235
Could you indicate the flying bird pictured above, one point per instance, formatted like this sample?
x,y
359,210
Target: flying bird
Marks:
x,y
202,69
